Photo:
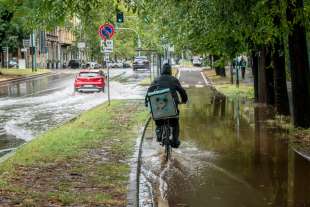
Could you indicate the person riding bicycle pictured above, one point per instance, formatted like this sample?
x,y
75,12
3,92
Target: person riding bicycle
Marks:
x,y
164,81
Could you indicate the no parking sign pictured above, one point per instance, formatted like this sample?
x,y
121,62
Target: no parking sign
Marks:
x,y
106,31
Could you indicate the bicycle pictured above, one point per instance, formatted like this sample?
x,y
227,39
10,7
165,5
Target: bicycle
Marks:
x,y
166,139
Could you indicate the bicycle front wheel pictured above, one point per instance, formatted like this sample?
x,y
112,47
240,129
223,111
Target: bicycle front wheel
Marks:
x,y
167,152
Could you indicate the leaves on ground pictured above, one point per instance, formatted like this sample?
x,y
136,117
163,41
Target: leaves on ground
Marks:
x,y
94,174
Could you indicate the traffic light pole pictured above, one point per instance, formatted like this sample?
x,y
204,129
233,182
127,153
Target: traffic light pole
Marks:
x,y
106,57
7,57
33,41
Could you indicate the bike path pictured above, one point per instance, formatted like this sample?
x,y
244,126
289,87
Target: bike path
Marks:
x,y
192,77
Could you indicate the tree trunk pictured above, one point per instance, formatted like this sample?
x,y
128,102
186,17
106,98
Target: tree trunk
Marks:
x,y
278,59
265,80
231,73
261,77
255,74
281,96
269,78
299,65
2,58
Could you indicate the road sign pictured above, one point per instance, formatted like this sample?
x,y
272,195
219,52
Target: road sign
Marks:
x,y
106,46
23,49
81,45
109,44
26,42
106,31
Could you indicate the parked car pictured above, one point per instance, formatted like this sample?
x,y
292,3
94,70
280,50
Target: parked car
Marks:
x,y
115,64
13,63
92,65
126,64
90,81
141,62
197,61
74,64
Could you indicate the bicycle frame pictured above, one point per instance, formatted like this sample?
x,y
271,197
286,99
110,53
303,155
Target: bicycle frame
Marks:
x,y
166,139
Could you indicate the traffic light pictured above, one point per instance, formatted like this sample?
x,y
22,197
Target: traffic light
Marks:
x,y
120,17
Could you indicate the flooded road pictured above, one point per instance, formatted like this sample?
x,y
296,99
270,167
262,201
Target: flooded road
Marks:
x,y
229,157
31,107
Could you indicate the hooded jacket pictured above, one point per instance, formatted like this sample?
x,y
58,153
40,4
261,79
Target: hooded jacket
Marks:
x,y
166,80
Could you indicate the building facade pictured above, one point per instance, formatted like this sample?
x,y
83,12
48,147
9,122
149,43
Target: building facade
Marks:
x,y
54,49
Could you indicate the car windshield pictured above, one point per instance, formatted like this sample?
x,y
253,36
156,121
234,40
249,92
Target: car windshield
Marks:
x,y
88,74
141,58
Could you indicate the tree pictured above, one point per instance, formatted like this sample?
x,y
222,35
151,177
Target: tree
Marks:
x,y
299,64
231,27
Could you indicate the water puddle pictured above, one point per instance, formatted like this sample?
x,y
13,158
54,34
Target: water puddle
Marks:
x,y
229,157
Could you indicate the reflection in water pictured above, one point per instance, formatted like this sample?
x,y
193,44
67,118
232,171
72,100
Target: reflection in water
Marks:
x,y
301,181
31,87
271,160
240,160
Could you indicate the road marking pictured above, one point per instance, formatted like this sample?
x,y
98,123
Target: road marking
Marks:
x,y
199,86
186,86
205,79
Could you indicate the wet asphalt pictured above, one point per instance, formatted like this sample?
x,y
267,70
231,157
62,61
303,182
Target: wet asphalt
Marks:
x,y
31,107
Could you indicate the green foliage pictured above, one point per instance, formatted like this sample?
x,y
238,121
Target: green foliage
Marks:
x,y
11,31
226,27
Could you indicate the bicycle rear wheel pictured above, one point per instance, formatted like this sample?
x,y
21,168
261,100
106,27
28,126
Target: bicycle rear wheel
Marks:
x,y
166,142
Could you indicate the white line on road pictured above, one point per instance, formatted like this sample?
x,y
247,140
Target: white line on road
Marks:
x,y
205,79
186,86
179,74
199,86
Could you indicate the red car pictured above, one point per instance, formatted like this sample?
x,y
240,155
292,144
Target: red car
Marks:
x,y
90,81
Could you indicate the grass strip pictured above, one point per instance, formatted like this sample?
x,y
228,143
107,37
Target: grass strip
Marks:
x,y
8,74
23,72
82,163
223,85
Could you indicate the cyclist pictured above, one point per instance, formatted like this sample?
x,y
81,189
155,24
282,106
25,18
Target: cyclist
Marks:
x,y
166,80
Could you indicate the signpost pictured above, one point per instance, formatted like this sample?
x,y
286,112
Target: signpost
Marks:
x,y
6,50
106,32
26,43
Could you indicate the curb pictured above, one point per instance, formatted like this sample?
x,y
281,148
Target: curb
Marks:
x,y
134,178
23,78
